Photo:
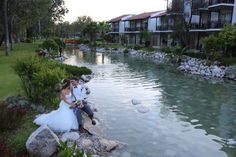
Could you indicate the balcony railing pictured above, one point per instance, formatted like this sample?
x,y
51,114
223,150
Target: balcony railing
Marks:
x,y
213,24
115,30
164,27
130,29
213,2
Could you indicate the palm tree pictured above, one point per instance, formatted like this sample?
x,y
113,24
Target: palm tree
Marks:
x,y
91,30
103,29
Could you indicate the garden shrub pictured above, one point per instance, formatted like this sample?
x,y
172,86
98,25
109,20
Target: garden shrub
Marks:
x,y
211,46
166,49
65,151
195,55
10,117
228,61
39,78
51,46
60,43
74,70
137,47
126,51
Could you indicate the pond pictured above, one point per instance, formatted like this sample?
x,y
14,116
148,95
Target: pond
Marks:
x,y
188,116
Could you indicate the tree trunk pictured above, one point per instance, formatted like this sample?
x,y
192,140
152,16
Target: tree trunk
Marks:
x,y
39,27
2,39
11,33
7,50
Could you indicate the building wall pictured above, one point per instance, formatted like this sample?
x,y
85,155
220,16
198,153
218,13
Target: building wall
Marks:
x,y
234,13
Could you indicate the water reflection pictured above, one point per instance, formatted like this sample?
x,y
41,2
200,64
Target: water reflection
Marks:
x,y
189,116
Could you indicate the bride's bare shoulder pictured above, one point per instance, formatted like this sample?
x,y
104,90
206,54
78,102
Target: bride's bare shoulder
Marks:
x,y
65,91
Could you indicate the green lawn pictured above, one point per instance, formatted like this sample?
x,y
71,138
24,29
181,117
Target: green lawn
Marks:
x,y
9,81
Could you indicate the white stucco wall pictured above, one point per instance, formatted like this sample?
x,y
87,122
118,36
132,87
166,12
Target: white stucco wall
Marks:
x,y
234,13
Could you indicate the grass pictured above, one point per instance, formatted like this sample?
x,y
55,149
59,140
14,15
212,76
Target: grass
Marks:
x,y
10,85
9,81
16,139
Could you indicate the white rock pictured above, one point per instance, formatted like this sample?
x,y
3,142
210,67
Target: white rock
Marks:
x,y
194,121
42,142
70,136
143,109
136,101
86,143
109,144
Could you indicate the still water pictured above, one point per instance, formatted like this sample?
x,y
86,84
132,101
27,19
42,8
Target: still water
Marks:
x,y
188,116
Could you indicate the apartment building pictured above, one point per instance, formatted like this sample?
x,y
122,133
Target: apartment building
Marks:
x,y
200,18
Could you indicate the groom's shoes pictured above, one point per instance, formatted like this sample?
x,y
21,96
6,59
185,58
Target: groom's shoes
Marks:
x,y
93,122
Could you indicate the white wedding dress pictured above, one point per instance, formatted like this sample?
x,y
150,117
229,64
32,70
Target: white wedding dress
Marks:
x,y
61,120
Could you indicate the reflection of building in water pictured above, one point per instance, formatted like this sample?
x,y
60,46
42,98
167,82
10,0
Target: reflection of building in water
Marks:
x,y
102,59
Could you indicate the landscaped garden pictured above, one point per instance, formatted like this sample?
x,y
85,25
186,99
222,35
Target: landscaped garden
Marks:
x,y
29,85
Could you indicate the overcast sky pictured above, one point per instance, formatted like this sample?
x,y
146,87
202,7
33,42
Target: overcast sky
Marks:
x,y
101,10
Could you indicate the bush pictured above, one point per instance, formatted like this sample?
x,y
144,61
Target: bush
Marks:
x,y
211,46
74,70
195,55
228,61
10,117
51,46
39,78
166,49
126,51
65,151
137,47
60,43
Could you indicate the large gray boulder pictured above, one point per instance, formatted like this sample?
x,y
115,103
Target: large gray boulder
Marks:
x,y
92,129
42,142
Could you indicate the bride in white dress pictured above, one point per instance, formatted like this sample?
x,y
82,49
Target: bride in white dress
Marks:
x,y
63,119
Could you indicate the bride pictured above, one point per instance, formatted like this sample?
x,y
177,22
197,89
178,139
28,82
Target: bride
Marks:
x,y
63,119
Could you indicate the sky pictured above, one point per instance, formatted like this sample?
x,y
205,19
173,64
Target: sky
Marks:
x,y
103,10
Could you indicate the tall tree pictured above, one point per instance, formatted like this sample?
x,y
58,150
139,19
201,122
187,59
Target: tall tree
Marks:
x,y
7,46
80,24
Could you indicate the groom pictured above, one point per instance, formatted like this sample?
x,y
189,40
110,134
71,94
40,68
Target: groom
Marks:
x,y
78,95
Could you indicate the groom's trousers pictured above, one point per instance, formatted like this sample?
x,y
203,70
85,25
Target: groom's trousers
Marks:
x,y
78,113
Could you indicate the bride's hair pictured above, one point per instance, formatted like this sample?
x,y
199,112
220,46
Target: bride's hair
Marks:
x,y
65,83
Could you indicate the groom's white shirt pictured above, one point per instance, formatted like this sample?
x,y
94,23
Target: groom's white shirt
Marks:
x,y
78,92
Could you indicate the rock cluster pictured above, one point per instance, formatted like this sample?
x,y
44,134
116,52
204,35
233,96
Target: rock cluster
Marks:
x,y
200,67
44,142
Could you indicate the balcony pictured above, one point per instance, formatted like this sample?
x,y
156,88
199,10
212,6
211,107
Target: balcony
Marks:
x,y
133,29
194,26
214,24
164,27
218,24
115,30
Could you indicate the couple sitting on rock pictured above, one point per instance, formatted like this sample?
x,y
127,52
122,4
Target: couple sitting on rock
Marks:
x,y
68,116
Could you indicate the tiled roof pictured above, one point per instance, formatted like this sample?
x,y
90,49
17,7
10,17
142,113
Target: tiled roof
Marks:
x,y
141,16
158,14
116,19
